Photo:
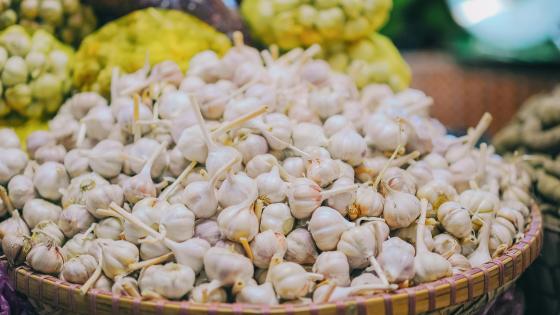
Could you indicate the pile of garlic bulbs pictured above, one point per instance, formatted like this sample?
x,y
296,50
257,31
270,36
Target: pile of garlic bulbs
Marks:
x,y
257,179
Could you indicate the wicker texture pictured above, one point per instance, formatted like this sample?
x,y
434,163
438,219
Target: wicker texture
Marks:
x,y
428,297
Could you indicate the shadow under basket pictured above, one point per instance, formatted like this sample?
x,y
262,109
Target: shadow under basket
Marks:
x,y
465,293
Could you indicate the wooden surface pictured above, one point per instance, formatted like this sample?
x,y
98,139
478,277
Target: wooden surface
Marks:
x,y
462,93
426,297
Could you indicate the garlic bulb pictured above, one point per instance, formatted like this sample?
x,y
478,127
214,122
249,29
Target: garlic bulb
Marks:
x,y
9,138
326,226
459,263
365,279
224,267
49,179
277,218
250,145
360,245
12,162
384,133
103,284
14,225
446,245
409,234
141,185
76,163
106,158
201,294
101,196
171,281
397,260
259,164
257,294
78,269
295,166
304,196
481,254
80,244
142,150
323,171
301,248
208,230
333,265
20,190
334,124
502,234
148,211
455,219
74,219
333,293
151,248
37,210
479,201
437,192
400,209
237,188
191,253
109,228
267,245
16,248
428,266
45,258
239,223
117,256
308,134
177,222
343,201
271,186
54,153
349,146
291,281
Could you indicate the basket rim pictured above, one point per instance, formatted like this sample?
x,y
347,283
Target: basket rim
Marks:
x,y
420,298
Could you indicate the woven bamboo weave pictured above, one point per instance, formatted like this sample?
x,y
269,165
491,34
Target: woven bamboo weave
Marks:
x,y
429,297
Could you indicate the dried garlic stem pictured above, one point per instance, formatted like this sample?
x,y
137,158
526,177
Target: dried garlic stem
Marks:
x,y
6,200
171,189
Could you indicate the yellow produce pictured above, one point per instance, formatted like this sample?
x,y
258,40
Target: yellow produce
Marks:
x,y
69,20
35,73
124,43
295,23
373,59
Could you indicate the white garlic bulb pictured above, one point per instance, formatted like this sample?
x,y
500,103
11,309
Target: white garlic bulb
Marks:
x,y
349,146
301,248
9,138
12,162
342,202
101,196
259,164
125,286
323,171
106,158
78,269
257,294
54,153
76,163
326,226
15,248
291,281
295,166
481,254
74,219
171,280
177,222
201,294
117,256
237,188
271,186
109,228
397,260
208,230
446,245
333,265
37,210
455,219
267,245
49,179
437,192
224,267
307,134
20,190
277,218
400,209
45,258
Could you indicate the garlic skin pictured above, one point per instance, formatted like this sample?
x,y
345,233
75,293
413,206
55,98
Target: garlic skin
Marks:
x,y
236,189
16,248
109,228
177,222
257,294
49,179
294,166
446,245
37,210
12,162
45,258
326,226
171,280
80,244
74,219
482,253
208,230
349,146
260,164
117,256
271,186
20,190
78,269
200,294
437,192
225,267
277,218
455,219
333,265
428,266
291,281
76,163
301,248
267,245
106,158
400,209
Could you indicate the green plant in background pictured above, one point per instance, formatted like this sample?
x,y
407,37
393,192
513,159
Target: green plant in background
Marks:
x,y
420,23
69,20
35,71
123,43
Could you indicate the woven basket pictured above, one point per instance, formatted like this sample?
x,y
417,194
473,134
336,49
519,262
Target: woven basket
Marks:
x,y
445,296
